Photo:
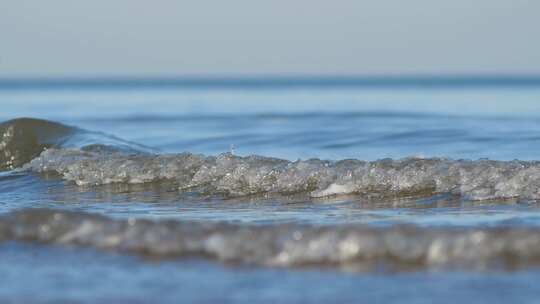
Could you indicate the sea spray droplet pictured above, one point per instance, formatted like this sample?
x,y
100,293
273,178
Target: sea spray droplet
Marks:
x,y
235,176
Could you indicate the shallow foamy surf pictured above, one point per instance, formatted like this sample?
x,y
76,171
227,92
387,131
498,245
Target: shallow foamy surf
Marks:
x,y
228,176
345,247
376,193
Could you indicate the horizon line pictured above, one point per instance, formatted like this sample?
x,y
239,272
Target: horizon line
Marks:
x,y
273,81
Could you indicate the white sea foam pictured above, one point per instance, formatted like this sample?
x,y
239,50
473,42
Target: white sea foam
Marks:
x,y
235,176
352,247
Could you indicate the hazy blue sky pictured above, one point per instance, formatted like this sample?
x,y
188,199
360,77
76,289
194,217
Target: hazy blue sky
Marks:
x,y
145,38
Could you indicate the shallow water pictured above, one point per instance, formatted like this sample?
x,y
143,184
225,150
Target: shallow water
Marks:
x,y
329,123
88,276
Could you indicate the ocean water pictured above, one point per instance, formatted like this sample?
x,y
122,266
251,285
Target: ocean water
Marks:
x,y
267,191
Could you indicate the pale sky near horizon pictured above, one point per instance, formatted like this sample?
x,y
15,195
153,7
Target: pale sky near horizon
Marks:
x,y
63,38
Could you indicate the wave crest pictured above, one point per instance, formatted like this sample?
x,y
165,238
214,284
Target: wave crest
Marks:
x,y
23,139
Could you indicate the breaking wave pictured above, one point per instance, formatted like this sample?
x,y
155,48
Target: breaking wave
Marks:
x,y
234,176
350,247
90,158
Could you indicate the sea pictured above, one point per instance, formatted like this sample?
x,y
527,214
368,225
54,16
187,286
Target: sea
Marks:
x,y
270,190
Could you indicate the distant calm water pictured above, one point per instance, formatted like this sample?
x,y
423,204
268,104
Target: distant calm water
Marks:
x,y
331,229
